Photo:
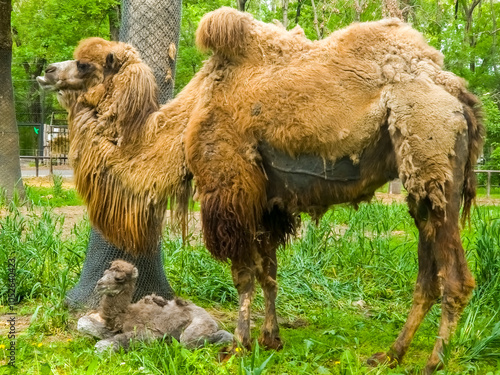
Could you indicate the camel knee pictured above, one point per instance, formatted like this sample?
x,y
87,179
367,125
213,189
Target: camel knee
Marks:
x,y
457,292
243,277
268,284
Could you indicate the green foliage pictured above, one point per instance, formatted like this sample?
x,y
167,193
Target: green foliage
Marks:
x,y
189,60
46,31
253,365
49,30
45,264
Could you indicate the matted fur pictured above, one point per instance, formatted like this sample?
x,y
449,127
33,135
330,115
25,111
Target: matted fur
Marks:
x,y
127,155
153,317
330,98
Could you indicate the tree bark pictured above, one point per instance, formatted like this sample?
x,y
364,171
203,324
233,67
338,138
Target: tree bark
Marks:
x,y
358,10
241,5
285,13
494,31
114,23
299,7
10,168
390,9
315,21
153,27
468,10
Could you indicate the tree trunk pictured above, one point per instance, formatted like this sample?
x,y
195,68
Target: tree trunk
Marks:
x,y
114,22
153,27
315,21
358,10
468,10
285,13
299,7
10,168
390,9
494,31
241,5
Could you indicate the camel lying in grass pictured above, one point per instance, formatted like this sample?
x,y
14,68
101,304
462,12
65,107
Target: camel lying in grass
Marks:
x,y
273,125
118,321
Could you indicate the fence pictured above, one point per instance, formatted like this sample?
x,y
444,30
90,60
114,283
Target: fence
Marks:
x,y
51,140
488,180
395,186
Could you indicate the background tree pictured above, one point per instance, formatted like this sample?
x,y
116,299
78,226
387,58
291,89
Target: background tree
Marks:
x,y
10,169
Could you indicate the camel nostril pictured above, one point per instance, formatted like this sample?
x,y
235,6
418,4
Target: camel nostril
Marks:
x,y
50,69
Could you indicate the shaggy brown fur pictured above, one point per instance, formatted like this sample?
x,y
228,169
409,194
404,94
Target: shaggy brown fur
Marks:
x,y
153,317
374,93
128,157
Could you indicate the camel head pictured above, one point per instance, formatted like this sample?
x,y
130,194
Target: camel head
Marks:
x,y
96,60
119,277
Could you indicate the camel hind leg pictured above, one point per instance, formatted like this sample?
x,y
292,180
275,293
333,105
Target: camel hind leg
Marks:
x,y
263,265
435,205
455,279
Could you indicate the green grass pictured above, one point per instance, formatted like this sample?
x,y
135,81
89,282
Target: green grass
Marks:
x,y
345,290
494,192
53,196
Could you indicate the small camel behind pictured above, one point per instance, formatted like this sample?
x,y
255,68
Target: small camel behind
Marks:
x,y
119,322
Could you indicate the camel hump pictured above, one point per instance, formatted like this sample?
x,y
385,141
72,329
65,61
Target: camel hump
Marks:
x,y
224,31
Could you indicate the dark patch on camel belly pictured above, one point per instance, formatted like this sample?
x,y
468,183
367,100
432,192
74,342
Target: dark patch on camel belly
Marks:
x,y
303,170
310,184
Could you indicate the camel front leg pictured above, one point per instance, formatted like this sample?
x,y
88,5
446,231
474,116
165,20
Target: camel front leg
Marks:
x,y
266,275
244,280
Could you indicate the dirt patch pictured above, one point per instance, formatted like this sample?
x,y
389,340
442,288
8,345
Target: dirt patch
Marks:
x,y
72,215
67,183
390,198
22,324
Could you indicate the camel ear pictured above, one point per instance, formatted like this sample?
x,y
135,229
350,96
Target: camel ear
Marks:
x,y
135,273
111,65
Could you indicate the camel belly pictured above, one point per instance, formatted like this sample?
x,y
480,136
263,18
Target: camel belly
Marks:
x,y
309,183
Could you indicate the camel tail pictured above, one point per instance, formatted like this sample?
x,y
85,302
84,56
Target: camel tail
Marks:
x,y
224,31
476,131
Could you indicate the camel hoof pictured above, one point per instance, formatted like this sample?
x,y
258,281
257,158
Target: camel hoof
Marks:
x,y
274,343
382,358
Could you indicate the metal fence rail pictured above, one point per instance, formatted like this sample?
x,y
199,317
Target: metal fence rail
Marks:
x,y
488,182
62,159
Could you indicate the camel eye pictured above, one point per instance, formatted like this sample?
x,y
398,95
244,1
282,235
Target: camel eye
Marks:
x,y
119,279
83,67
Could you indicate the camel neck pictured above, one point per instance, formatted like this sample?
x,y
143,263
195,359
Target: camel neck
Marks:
x,y
112,308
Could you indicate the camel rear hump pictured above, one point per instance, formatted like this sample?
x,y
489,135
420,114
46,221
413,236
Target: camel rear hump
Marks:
x,y
224,31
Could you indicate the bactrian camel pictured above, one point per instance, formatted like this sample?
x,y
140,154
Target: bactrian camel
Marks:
x,y
273,125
